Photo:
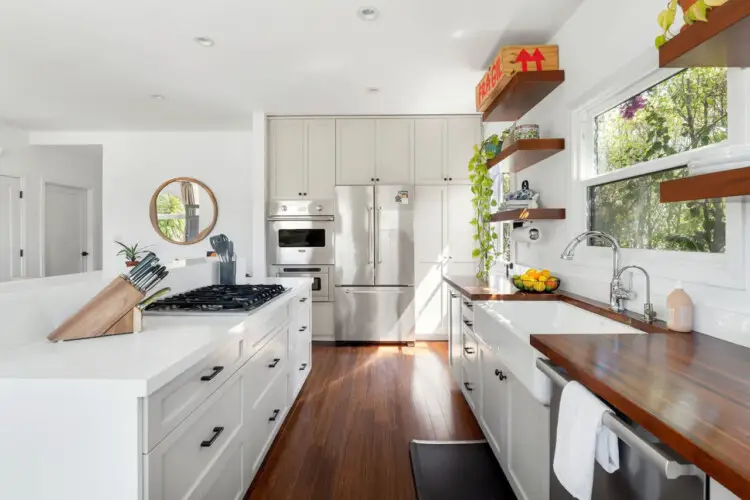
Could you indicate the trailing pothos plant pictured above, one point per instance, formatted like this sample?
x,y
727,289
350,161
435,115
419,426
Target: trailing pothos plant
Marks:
x,y
693,10
485,236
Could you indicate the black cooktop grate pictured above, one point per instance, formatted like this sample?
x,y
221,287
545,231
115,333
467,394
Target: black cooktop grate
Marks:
x,y
219,298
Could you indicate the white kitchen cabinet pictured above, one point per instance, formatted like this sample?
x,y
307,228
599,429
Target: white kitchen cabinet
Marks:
x,y
455,335
355,151
717,491
286,158
528,445
302,158
430,150
321,159
394,151
460,233
463,134
430,233
495,413
430,301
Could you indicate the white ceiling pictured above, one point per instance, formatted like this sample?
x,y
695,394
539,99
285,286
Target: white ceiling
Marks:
x,y
92,64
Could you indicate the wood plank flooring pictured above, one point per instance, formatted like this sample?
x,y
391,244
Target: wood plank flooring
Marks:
x,y
348,437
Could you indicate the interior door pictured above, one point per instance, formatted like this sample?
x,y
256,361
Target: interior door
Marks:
x,y
463,134
394,151
460,231
429,150
287,158
65,230
394,227
355,151
355,236
321,159
10,228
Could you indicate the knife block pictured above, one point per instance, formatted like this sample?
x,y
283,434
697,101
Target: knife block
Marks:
x,y
132,322
100,314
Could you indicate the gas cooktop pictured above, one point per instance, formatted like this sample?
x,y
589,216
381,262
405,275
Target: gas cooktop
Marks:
x,y
218,298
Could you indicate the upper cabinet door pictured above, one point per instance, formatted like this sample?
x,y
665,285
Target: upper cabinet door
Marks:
x,y
321,158
430,150
394,151
463,134
287,158
355,151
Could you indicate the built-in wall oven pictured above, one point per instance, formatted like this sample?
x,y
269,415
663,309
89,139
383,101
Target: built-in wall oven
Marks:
x,y
301,232
322,276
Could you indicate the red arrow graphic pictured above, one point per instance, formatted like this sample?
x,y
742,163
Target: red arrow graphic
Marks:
x,y
538,57
524,57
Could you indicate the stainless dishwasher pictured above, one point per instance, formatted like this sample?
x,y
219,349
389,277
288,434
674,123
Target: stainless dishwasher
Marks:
x,y
648,469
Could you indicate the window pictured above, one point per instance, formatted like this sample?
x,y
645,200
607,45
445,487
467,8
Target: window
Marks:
x,y
502,187
630,211
682,113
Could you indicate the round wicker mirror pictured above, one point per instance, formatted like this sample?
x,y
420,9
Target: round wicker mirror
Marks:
x,y
183,211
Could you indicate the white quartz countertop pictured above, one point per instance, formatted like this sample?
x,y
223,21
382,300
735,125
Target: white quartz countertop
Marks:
x,y
136,364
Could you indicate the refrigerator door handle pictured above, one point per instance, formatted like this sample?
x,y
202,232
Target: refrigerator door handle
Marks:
x,y
371,259
377,228
395,289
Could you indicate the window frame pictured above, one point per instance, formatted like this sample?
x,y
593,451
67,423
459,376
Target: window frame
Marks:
x,y
705,268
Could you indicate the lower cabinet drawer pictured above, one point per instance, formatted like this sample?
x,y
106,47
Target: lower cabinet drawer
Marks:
x,y
170,405
262,421
175,469
271,360
227,477
470,387
299,370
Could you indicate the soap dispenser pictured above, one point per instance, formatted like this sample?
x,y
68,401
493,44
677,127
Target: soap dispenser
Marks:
x,y
679,310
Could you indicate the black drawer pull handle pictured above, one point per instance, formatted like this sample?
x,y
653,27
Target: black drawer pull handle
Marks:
x,y
469,305
468,350
303,299
303,329
275,362
217,370
217,433
275,416
303,367
468,323
499,374
468,386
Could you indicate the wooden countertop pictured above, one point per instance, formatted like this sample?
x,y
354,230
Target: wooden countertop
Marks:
x,y
692,391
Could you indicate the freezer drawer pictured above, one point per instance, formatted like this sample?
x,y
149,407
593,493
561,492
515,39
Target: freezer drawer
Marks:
x,y
374,314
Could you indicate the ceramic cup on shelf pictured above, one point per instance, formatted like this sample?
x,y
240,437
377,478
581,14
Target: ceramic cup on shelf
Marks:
x,y
527,132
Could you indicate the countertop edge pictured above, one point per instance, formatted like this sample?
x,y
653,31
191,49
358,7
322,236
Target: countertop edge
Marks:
x,y
680,443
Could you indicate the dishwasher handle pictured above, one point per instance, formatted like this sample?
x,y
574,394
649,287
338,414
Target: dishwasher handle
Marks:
x,y
672,469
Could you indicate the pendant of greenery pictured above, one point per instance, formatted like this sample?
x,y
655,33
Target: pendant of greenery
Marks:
x,y
483,202
693,10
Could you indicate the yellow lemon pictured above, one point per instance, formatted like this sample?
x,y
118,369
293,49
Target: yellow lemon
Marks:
x,y
546,273
540,286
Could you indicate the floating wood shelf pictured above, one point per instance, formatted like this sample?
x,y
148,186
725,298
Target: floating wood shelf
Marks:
x,y
524,91
529,214
723,41
707,186
527,152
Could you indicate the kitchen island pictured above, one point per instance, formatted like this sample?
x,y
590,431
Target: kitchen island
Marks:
x,y
188,408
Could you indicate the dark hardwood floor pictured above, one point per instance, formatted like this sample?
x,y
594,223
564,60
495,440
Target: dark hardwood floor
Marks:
x,y
348,436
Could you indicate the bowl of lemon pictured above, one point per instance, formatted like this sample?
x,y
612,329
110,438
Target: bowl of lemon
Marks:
x,y
536,281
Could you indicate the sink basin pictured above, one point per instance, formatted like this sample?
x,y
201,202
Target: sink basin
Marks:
x,y
506,327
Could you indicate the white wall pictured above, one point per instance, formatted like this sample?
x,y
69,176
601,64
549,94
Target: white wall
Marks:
x,y
74,166
598,47
136,163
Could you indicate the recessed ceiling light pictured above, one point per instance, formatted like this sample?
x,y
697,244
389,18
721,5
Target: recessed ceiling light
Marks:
x,y
368,13
204,40
372,90
157,97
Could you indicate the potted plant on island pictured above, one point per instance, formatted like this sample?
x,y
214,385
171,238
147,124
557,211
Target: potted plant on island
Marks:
x,y
483,202
693,10
131,253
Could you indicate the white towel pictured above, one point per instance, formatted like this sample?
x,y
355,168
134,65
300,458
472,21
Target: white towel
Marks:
x,y
581,438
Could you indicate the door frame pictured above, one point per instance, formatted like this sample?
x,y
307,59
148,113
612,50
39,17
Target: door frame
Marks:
x,y
43,224
23,214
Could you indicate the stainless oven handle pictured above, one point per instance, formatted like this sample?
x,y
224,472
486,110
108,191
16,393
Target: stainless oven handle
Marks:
x,y
371,259
671,468
300,218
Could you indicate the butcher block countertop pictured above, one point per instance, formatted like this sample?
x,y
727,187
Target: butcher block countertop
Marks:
x,y
692,391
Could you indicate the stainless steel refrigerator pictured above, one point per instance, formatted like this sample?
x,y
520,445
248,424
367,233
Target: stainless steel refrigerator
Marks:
x,y
374,265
